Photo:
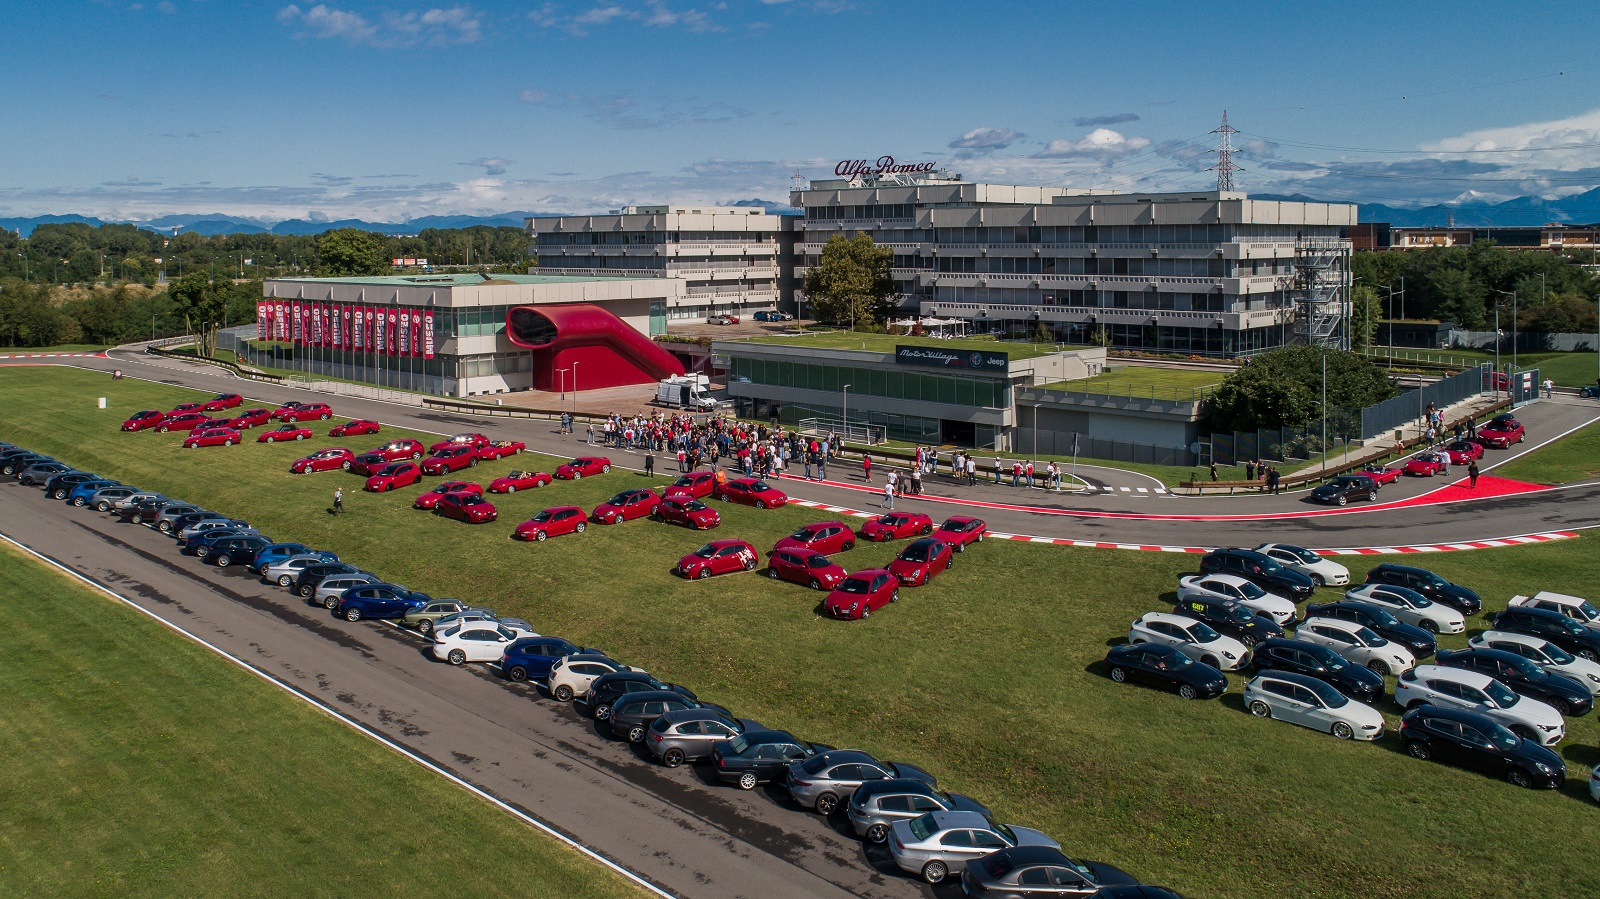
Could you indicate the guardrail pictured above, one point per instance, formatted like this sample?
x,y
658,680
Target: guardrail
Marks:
x,y
237,369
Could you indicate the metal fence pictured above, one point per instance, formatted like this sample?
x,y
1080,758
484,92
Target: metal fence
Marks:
x,y
854,432
1381,418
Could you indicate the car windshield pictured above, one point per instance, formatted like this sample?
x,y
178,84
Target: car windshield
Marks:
x,y
1383,618
685,481
620,499
759,486
1304,555
1348,482
1501,694
1588,610
706,552
956,526
814,765
576,463
542,516
855,585
1250,591
473,499
1370,637
1330,696
1557,655
1237,613
916,552
1176,661
1202,633
1005,833
804,535
923,827
1329,659
1268,565
1498,734
390,469
693,505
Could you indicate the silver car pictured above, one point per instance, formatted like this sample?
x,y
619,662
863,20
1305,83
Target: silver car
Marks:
x,y
935,845
687,735
168,516
877,805
217,524
105,496
284,571
829,778
331,588
134,499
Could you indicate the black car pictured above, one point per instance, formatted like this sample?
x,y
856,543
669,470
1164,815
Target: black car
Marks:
x,y
175,525
1344,488
237,550
200,544
1229,617
1476,741
309,577
1568,633
759,756
1167,667
1421,643
607,688
59,486
633,713
1315,660
1039,871
13,462
1260,569
1428,584
144,512
1564,694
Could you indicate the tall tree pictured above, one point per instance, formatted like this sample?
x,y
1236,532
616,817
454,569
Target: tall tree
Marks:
x,y
351,251
1365,310
1284,388
201,302
851,284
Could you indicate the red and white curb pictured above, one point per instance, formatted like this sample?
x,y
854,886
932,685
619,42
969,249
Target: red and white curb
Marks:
x,y
1496,543
54,356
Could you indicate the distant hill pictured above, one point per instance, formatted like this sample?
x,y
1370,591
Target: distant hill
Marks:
x,y
1471,211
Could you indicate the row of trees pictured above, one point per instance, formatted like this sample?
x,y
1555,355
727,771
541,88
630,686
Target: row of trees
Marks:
x,y
77,253
1284,388
1464,285
35,315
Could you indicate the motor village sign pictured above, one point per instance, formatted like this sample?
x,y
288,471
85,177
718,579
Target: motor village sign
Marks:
x,y
939,357
885,165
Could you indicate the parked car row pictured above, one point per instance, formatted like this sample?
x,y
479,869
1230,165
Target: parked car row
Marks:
x,y
929,833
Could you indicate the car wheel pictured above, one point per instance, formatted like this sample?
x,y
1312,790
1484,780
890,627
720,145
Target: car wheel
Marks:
x,y
540,536
79,501
457,657
723,497
582,526
865,614
703,573
425,626
672,758
416,456
102,506
331,603
1260,709
162,430
602,713
352,614
1319,580
306,591
826,803
323,417
1519,777
59,494
164,527
138,519
895,596
511,488
472,463
1378,666
935,872
847,546
563,693
815,584
1344,500
748,780
1586,655
773,573
517,673
345,465
605,468
926,530
1343,731
1429,626
1187,691
299,436
284,580
749,564
202,552
1119,674
223,561
577,476
1419,750
636,734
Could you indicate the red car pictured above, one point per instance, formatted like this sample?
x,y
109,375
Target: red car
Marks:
x,y
698,484
1502,431
304,412
356,428
626,506
826,537
1464,451
453,458
896,525
475,441
395,474
186,408
211,437
1425,465
396,450
285,432
921,560
804,566
961,530
249,418
752,492
1381,474
719,557
335,457
519,480
501,449
552,522
583,467
862,593
431,498
681,508
223,401
186,421
140,421
471,508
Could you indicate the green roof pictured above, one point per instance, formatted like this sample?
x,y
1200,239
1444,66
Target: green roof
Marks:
x,y
468,279
885,343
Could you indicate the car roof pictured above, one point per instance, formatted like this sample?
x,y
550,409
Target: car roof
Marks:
x,y
771,736
1232,579
1336,624
1510,637
895,785
1316,685
1483,652
592,657
1169,618
1408,569
1459,675
953,819
838,756
1358,605
677,715
1461,715
1035,855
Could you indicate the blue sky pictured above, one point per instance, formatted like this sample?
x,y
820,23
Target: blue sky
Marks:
x,y
397,110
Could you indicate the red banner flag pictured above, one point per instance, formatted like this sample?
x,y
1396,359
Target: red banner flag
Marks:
x,y
427,334
405,333
261,321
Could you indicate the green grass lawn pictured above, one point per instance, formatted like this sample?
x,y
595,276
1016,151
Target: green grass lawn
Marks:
x,y
1575,369
1575,457
989,677
140,764
1148,381
885,343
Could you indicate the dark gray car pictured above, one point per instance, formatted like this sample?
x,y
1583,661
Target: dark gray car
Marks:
x,y
687,735
36,474
823,781
877,805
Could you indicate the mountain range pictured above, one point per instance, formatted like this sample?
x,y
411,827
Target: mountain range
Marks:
x,y
1473,211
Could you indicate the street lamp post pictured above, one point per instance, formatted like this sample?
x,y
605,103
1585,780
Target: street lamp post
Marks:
x,y
846,413
1036,436
574,388
563,373
1513,294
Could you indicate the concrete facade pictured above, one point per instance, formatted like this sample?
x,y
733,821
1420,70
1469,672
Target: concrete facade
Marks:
x,y
731,259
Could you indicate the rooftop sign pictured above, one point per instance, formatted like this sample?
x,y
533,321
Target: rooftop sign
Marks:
x,y
938,357
885,165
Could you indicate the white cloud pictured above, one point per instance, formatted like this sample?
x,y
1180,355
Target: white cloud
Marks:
x,y
1100,143
490,166
986,139
432,27
648,13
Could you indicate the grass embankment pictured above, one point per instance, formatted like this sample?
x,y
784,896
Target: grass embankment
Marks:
x,y
988,677
1146,381
1575,457
140,764
1574,369
59,348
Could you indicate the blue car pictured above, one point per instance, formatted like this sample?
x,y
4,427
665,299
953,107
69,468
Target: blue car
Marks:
x,y
531,657
80,494
277,552
379,601
203,543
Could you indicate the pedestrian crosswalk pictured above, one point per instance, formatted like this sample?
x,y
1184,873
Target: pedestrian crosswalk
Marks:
x,y
1107,488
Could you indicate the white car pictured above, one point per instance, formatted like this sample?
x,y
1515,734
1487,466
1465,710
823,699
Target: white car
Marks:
x,y
1245,593
284,571
1457,688
134,499
474,641
331,588
1308,702
1192,638
472,613
1574,607
1543,653
1358,643
1411,607
571,676
1325,572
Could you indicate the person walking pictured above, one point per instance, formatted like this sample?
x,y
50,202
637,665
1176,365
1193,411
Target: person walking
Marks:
x,y
999,467
1249,470
972,471
888,496
649,463
809,456
1027,472
1273,478
866,467
1213,471
893,480
338,500
916,481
